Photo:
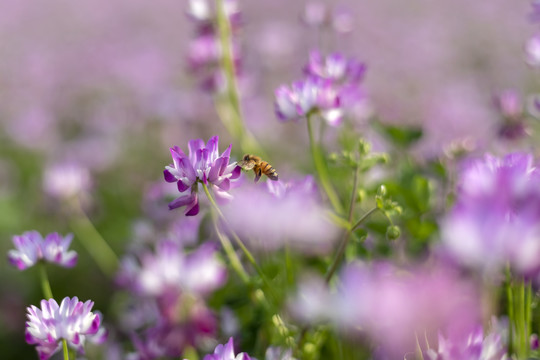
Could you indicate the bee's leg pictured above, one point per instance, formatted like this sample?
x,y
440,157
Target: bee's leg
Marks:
x,y
258,174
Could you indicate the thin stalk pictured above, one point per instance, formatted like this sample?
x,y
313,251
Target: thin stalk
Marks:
x,y
343,245
239,242
528,306
349,231
44,280
231,254
227,63
321,169
65,348
524,338
288,266
92,240
229,108
511,316
363,218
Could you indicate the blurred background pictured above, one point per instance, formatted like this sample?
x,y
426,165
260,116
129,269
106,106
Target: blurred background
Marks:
x,y
101,89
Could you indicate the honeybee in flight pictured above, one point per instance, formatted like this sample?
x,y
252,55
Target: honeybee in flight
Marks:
x,y
259,166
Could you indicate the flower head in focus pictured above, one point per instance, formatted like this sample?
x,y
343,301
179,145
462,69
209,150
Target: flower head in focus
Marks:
x,y
31,247
204,165
72,321
226,352
496,218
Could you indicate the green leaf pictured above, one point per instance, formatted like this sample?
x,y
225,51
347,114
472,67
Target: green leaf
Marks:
x,y
402,136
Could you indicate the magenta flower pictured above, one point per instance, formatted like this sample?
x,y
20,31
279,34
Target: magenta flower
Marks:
x,y
66,180
202,165
226,352
534,16
335,67
472,346
170,271
510,105
306,97
390,305
31,248
274,222
203,12
72,321
332,87
496,218
532,51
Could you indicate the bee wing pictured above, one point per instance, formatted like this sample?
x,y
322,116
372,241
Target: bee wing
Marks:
x,y
246,165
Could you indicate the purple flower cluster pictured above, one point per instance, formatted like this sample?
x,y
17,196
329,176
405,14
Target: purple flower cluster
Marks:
x,y
205,51
509,103
170,271
72,321
331,86
472,346
532,47
202,165
496,218
318,15
274,221
171,286
66,180
226,352
31,247
391,304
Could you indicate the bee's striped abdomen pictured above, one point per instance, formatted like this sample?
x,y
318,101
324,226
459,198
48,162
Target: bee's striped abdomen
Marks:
x,y
269,171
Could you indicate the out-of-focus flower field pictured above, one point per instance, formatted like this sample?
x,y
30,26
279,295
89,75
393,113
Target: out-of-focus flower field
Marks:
x,y
277,180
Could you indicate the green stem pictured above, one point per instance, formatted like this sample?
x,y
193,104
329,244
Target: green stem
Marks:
x,y
227,62
239,242
229,108
511,316
349,231
363,218
231,254
45,285
322,171
289,266
65,348
93,242
528,307
524,343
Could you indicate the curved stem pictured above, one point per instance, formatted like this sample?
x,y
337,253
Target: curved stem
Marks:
x,y
343,245
363,218
321,169
92,240
65,348
239,242
44,280
229,250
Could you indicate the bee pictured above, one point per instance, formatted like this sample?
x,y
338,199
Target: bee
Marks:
x,y
259,166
